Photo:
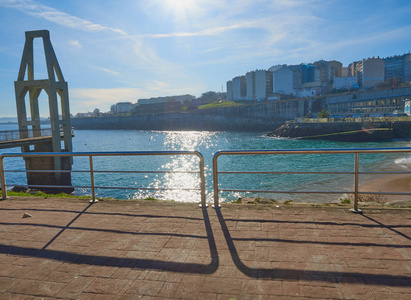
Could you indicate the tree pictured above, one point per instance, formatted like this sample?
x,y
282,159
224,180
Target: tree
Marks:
x,y
323,114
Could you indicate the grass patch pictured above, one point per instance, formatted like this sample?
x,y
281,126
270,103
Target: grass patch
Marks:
x,y
44,195
151,198
218,104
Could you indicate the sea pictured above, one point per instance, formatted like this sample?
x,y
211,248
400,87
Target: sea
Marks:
x,y
175,186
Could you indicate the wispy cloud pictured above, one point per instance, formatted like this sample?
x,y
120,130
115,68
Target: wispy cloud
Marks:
x,y
107,71
75,44
205,32
145,56
103,98
40,10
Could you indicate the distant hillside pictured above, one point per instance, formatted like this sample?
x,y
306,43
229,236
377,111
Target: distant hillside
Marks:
x,y
14,120
8,120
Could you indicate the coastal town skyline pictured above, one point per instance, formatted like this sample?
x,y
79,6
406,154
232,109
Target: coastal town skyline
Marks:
x,y
110,54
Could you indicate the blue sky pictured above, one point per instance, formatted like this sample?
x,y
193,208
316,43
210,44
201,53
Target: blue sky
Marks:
x,y
123,50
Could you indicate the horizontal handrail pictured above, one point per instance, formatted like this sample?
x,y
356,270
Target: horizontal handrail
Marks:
x,y
355,172
90,155
216,172
18,134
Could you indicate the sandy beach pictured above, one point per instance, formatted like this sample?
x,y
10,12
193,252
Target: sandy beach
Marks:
x,y
391,184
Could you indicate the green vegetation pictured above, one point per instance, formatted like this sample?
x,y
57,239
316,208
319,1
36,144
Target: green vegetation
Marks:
x,y
63,195
151,198
323,114
375,198
218,104
44,195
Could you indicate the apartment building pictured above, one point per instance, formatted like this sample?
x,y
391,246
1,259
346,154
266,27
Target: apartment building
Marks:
x,y
336,68
371,72
250,85
398,67
230,90
286,79
122,107
345,83
263,84
326,75
179,98
239,88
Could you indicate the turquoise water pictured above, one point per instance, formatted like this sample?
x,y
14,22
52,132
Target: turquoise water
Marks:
x,y
208,143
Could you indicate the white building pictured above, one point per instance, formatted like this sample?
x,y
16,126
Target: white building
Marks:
x,y
180,98
344,83
285,80
263,84
309,89
250,83
122,107
239,88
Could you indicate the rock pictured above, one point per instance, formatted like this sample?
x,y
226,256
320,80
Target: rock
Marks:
x,y
26,215
249,200
19,188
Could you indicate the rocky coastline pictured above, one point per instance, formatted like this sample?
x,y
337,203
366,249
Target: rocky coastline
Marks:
x,y
345,131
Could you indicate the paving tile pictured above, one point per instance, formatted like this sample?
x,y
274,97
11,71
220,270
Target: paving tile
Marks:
x,y
218,286
145,287
152,250
74,288
168,290
37,288
13,296
108,286
6,283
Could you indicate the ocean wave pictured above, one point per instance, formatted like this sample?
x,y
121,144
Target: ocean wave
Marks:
x,y
404,162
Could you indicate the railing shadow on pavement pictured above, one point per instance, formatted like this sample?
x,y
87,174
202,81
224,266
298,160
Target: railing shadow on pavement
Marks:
x,y
125,262
101,213
389,227
297,274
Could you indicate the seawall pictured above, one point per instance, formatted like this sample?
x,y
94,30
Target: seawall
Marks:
x,y
348,131
180,121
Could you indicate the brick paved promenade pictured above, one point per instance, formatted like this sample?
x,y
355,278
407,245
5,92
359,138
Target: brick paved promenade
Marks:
x,y
71,249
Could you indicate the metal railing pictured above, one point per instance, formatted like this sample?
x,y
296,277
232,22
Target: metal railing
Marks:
x,y
352,119
355,172
13,135
92,171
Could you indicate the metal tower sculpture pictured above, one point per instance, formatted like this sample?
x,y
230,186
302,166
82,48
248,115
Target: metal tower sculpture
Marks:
x,y
60,127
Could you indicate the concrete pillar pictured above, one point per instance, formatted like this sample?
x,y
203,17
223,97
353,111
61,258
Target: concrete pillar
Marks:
x,y
57,90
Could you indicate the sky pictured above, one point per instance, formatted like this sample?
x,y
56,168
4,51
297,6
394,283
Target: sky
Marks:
x,y
125,50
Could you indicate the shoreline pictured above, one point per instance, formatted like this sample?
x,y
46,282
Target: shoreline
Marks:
x,y
396,183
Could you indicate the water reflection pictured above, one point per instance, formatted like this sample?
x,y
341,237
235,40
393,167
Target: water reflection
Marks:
x,y
179,185
208,143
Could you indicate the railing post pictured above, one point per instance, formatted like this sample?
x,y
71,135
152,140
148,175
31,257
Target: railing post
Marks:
x,y
3,180
93,192
356,173
202,182
215,181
